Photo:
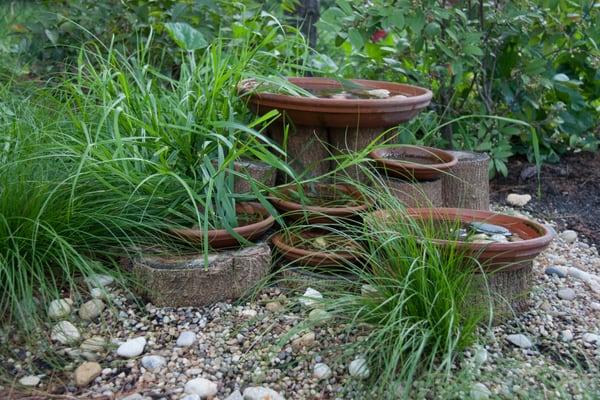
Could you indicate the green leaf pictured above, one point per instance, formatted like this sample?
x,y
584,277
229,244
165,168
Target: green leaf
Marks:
x,y
356,38
185,36
395,19
52,35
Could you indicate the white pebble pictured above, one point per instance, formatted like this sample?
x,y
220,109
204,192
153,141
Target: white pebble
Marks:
x,y
518,200
311,297
100,280
591,338
59,309
358,368
321,371
132,348
261,393
153,362
65,333
201,387
186,339
566,335
568,236
91,310
520,340
30,380
480,392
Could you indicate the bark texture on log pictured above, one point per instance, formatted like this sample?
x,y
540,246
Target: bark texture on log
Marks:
x,y
306,149
424,194
350,140
184,281
508,290
467,184
257,170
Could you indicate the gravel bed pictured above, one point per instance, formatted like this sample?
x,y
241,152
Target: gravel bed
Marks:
x,y
229,351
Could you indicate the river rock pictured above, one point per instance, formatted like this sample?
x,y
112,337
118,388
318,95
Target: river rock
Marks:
x,y
306,340
236,395
132,348
30,380
318,316
489,229
480,356
186,339
518,200
359,369
59,309
99,280
568,236
566,294
311,297
480,392
590,338
95,344
91,310
202,387
261,393
566,335
274,306
100,293
321,371
86,373
153,362
65,333
519,340
555,271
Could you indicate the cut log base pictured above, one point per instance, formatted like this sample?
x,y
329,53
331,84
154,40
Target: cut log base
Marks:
x,y
508,291
185,281
467,185
414,194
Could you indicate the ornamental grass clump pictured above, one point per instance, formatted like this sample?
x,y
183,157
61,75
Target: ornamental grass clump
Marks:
x,y
408,304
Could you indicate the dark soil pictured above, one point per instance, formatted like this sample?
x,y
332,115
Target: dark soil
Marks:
x,y
569,191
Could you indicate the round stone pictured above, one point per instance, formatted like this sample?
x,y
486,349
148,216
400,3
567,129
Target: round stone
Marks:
x,y
201,387
132,348
518,200
91,310
358,368
555,271
59,309
261,393
153,363
519,340
86,373
566,294
310,298
30,380
568,236
94,344
566,335
318,316
65,333
100,280
480,392
321,371
186,339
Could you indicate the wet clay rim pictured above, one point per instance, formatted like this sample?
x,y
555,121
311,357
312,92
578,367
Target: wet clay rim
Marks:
x,y
310,257
289,206
407,168
536,237
219,238
417,97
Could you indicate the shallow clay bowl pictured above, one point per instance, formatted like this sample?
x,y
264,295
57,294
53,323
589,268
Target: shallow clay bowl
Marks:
x,y
317,214
222,238
342,113
287,243
492,256
414,162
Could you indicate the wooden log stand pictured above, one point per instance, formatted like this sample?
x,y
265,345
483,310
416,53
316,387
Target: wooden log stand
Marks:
x,y
423,194
467,185
185,281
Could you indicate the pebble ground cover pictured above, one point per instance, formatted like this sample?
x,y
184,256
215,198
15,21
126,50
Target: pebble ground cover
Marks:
x,y
121,349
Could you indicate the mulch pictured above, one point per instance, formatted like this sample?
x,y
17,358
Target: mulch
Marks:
x,y
567,192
